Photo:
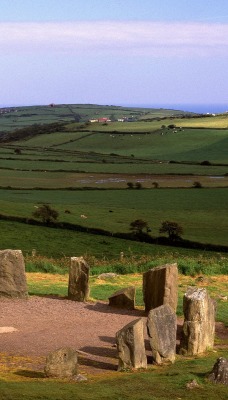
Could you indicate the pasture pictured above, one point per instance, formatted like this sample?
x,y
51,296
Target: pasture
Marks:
x,y
201,212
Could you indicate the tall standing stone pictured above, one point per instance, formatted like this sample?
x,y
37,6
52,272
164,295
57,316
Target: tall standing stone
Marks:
x,y
199,322
131,346
12,274
78,287
162,327
160,286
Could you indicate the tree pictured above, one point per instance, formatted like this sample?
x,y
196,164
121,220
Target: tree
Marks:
x,y
46,214
138,225
197,185
130,185
173,229
138,185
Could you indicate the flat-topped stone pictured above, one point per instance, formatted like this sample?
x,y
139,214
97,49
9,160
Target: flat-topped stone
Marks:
x,y
160,286
78,286
199,322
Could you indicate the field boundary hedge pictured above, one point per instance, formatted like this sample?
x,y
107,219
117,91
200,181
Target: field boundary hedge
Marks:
x,y
143,237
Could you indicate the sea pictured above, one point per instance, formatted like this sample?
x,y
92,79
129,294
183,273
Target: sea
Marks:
x,y
196,108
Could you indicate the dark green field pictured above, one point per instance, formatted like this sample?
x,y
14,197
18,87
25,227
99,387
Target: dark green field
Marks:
x,y
164,152
203,213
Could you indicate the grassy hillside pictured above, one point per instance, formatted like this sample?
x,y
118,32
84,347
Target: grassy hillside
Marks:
x,y
155,152
202,212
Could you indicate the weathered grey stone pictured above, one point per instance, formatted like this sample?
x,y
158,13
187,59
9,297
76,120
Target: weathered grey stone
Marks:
x,y
61,363
123,298
162,327
199,322
192,385
107,275
160,286
12,274
131,346
219,373
78,287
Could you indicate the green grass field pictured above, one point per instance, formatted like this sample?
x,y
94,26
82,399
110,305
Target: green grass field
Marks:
x,y
201,212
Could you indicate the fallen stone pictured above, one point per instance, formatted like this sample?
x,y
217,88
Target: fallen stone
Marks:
x,y
12,274
78,286
123,298
81,378
160,286
199,322
107,275
192,384
219,373
162,327
61,363
131,346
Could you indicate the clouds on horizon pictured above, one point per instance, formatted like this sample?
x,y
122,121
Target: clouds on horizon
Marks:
x,y
159,39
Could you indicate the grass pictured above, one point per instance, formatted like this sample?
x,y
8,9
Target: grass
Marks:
x,y
155,384
201,212
188,145
100,289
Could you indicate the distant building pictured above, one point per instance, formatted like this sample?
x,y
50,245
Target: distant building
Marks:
x,y
103,119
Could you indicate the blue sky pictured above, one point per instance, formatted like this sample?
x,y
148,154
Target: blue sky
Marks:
x,y
114,52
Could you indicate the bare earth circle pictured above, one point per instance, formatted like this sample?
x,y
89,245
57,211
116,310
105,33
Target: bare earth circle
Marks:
x,y
44,324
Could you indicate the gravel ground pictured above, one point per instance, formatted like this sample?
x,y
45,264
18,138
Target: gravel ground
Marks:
x,y
39,325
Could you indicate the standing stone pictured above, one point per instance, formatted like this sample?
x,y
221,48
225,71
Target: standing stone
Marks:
x,y
162,327
12,274
199,322
160,286
124,298
219,373
61,363
78,287
131,346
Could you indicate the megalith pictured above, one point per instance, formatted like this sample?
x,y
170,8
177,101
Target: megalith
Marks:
x,y
12,274
199,322
131,346
219,373
160,286
78,286
162,328
123,298
62,363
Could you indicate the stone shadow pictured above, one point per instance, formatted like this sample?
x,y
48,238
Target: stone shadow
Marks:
x,y
109,352
105,308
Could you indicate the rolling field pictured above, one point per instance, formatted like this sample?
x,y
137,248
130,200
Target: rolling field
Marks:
x,y
165,152
202,212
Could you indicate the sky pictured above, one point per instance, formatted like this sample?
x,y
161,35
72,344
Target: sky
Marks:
x,y
117,52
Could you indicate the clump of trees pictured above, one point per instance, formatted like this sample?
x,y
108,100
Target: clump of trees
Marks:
x,y
197,185
138,226
172,229
137,185
46,214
